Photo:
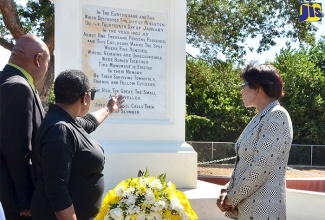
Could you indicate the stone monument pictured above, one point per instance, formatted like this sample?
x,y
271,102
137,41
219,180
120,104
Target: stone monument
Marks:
x,y
135,48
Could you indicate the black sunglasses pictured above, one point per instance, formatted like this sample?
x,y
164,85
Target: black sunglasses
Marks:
x,y
92,93
244,84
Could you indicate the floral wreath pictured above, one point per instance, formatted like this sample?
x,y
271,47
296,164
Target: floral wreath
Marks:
x,y
147,196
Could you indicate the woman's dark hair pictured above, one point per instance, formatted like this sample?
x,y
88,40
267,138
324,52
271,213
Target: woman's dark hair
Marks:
x,y
70,85
265,76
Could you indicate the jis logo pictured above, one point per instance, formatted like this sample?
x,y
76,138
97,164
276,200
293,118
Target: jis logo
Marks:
x,y
310,12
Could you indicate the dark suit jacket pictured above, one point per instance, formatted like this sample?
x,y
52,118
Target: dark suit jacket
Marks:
x,y
21,114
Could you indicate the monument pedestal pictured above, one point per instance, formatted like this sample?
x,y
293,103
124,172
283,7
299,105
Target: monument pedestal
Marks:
x,y
176,159
203,201
135,48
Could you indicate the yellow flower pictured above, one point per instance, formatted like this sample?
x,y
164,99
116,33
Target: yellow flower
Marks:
x,y
157,194
109,198
146,195
134,182
142,189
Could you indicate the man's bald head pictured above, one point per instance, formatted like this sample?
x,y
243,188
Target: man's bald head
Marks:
x,y
31,54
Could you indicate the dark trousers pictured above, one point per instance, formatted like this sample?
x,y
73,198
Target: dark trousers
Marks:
x,y
13,216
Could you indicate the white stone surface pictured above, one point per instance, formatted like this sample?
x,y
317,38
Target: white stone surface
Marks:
x,y
125,51
123,162
133,143
203,200
301,205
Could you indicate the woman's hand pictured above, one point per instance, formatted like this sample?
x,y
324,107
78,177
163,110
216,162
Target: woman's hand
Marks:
x,y
224,204
25,213
221,201
66,214
115,103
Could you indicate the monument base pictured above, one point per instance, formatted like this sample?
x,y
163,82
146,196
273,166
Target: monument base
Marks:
x,y
123,160
203,200
300,203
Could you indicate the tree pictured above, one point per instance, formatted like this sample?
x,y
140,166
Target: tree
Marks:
x,y
214,26
215,111
303,72
214,107
222,26
37,18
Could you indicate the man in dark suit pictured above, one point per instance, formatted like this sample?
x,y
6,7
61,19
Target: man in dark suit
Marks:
x,y
21,114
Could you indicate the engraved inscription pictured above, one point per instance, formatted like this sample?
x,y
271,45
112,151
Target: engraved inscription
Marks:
x,y
125,51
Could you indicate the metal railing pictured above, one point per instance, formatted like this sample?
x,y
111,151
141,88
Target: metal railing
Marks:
x,y
300,154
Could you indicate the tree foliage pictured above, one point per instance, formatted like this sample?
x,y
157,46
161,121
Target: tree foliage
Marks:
x,y
37,18
214,26
222,26
214,107
213,103
303,71
215,111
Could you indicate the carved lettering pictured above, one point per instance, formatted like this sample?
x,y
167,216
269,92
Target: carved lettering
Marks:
x,y
126,52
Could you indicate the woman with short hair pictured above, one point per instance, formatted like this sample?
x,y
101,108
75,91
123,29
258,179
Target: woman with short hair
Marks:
x,y
68,163
257,188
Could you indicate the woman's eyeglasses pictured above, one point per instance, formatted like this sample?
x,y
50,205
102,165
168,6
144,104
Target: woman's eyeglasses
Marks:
x,y
92,93
244,84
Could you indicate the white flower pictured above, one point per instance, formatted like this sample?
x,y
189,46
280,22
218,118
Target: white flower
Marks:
x,y
150,217
131,210
149,197
176,204
129,191
158,206
183,215
137,209
116,214
144,195
120,191
156,184
144,181
154,208
130,200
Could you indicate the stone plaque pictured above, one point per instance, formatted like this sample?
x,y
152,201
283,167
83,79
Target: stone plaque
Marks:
x,y
125,51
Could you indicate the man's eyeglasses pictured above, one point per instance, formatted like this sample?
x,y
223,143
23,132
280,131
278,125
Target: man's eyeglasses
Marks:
x,y
92,93
244,84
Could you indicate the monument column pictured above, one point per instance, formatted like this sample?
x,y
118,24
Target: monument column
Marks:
x,y
135,48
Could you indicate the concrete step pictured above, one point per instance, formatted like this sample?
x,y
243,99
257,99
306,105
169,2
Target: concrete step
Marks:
x,y
203,200
301,204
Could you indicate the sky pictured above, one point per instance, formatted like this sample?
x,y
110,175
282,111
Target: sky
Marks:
x,y
261,58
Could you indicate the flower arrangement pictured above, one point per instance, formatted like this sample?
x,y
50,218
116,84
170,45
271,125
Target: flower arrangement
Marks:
x,y
146,196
